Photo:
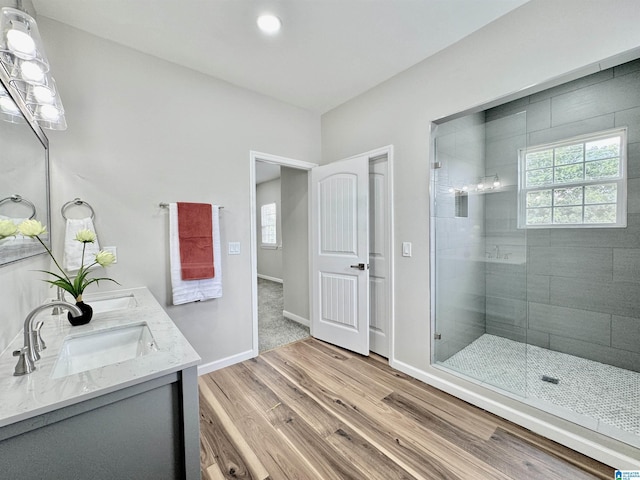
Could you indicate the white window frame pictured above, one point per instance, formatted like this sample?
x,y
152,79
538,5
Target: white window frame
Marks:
x,y
621,181
268,220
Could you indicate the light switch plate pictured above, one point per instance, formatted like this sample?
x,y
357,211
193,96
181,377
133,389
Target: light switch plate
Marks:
x,y
406,249
234,248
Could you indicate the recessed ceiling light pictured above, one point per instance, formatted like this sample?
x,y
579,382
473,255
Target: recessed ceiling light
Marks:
x,y
269,24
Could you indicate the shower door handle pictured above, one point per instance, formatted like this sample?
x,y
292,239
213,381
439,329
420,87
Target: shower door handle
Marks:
x,y
361,266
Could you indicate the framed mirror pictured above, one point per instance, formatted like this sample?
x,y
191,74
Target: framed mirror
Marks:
x,y
24,173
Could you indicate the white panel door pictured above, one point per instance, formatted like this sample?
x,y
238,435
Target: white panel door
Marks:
x,y
340,254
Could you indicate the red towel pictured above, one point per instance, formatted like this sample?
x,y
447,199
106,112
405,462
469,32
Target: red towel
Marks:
x,y
196,240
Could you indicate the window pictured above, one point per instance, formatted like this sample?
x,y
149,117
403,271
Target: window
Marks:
x,y
268,224
579,182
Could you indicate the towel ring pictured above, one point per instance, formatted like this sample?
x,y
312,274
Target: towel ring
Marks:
x,y
20,199
76,201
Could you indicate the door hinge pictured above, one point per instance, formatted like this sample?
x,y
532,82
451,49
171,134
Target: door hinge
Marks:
x,y
437,336
436,165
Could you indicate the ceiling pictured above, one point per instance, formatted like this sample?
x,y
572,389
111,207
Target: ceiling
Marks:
x,y
327,52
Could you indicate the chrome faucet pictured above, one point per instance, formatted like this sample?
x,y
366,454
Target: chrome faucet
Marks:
x,y
59,296
33,344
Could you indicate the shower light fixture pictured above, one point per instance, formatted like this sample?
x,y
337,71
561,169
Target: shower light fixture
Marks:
x,y
22,56
483,184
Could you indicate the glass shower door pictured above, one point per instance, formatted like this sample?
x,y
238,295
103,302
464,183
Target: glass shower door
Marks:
x,y
478,253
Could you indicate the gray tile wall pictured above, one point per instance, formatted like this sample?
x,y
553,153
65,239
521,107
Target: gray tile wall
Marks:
x,y
574,290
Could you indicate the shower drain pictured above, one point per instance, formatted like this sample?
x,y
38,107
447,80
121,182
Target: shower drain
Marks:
x,y
547,378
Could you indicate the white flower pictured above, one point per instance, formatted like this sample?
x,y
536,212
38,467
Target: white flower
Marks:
x,y
105,258
32,228
86,236
7,228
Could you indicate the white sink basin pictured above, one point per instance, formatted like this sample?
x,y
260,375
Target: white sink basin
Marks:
x,y
109,304
83,352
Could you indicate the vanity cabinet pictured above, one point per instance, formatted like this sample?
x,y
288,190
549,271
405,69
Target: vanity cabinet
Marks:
x,y
130,418
145,431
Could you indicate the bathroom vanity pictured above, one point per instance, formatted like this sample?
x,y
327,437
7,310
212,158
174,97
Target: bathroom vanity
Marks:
x,y
99,407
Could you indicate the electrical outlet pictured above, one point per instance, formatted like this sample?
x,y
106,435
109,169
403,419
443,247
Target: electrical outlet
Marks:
x,y
113,250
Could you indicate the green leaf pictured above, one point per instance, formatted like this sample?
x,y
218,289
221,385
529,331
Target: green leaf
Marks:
x,y
96,280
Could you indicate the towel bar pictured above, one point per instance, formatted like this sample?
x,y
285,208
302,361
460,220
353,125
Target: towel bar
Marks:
x,y
166,205
76,201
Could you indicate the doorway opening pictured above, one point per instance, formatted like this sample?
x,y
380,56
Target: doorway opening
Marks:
x,y
279,253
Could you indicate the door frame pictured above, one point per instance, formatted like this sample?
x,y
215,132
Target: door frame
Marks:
x,y
255,156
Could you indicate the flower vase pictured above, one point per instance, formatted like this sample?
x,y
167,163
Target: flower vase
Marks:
x,y
87,314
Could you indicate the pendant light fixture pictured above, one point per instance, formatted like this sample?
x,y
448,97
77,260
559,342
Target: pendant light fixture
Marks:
x,y
25,62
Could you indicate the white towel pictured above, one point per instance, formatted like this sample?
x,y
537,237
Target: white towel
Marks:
x,y
16,221
185,291
72,258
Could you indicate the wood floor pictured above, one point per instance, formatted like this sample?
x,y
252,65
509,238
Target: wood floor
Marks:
x,y
313,411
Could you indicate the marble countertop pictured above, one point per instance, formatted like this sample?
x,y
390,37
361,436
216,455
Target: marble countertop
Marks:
x,y
37,393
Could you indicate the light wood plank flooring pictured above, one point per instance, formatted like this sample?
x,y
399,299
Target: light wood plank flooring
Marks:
x,y
310,411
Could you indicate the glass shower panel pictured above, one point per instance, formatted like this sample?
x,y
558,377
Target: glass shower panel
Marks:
x,y
479,254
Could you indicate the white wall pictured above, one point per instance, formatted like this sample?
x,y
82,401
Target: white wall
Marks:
x,y
269,259
541,40
21,291
295,241
143,131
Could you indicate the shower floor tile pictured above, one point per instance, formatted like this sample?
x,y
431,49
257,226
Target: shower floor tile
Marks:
x,y
607,394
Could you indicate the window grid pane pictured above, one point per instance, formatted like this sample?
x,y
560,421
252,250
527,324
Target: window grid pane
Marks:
x,y
268,223
576,168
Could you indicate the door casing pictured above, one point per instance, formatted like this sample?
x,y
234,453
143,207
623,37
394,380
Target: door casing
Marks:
x,y
283,162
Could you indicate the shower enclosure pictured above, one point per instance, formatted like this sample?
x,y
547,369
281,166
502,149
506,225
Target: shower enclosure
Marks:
x,y
536,250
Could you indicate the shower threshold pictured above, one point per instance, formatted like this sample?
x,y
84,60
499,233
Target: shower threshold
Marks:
x,y
598,396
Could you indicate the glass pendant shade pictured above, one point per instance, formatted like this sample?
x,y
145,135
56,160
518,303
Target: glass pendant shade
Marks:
x,y
21,39
46,107
22,55
45,93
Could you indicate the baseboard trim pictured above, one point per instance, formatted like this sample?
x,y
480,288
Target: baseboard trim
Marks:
x,y
225,362
572,440
267,277
296,318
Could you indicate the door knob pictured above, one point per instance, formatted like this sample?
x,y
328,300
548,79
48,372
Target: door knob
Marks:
x,y
361,266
